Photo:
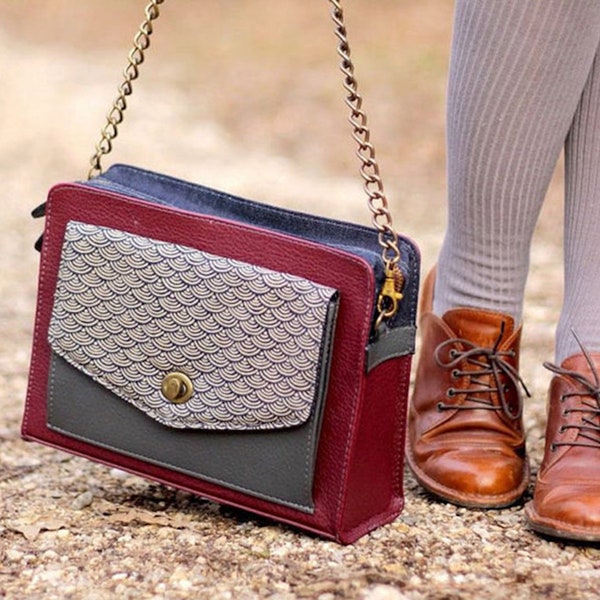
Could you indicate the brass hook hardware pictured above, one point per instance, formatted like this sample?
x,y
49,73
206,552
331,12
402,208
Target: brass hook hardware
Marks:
x,y
390,295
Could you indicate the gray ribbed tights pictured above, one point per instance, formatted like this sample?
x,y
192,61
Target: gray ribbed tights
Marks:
x,y
524,82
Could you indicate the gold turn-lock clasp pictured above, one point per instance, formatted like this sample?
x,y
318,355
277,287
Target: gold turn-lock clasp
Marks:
x,y
177,388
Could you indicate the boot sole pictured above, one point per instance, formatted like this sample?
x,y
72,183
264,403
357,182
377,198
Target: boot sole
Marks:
x,y
559,529
465,500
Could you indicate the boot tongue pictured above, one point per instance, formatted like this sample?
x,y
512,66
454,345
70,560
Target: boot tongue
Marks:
x,y
480,327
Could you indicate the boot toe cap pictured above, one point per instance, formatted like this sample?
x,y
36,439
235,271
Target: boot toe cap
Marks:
x,y
476,477
572,511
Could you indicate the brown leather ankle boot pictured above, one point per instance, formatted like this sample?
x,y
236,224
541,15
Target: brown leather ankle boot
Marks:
x,y
566,501
465,432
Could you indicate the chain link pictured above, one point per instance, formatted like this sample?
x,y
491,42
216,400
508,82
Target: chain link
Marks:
x,y
114,118
381,217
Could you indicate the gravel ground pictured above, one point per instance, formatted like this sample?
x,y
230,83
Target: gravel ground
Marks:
x,y
73,529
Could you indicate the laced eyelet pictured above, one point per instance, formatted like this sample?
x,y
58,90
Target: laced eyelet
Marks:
x,y
562,398
440,406
453,353
561,429
450,392
552,447
455,374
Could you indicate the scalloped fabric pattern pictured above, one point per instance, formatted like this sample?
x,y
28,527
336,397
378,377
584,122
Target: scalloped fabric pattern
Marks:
x,y
129,310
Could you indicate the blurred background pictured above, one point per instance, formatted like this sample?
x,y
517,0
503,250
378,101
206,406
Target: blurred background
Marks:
x,y
245,96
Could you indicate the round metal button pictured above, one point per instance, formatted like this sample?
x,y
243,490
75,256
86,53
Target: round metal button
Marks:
x,y
177,388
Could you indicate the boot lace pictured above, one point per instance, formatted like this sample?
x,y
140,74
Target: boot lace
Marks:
x,y
589,427
484,362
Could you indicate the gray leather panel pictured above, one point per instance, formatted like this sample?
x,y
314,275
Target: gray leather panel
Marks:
x,y
391,343
277,465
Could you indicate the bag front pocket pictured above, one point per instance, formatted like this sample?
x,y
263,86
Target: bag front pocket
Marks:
x,y
204,364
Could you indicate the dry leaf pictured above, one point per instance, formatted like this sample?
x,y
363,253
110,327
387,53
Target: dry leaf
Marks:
x,y
31,530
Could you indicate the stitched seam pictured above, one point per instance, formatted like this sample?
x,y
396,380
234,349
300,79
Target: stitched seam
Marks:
x,y
401,428
52,378
350,440
228,224
415,265
218,194
38,335
180,470
310,444
307,454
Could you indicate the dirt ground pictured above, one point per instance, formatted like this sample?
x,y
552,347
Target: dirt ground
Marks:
x,y
244,96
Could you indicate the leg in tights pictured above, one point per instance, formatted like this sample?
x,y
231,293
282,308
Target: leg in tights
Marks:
x,y
522,78
566,500
517,73
581,306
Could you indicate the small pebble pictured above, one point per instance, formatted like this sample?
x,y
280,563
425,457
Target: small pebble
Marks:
x,y
384,592
82,501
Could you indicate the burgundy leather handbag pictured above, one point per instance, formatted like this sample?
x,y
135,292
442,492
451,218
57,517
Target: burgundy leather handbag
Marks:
x,y
252,355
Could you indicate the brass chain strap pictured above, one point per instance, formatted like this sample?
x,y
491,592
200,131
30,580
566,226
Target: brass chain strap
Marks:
x,y
391,293
114,118
381,218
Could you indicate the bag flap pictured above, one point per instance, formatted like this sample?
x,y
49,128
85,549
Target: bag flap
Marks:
x,y
191,339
